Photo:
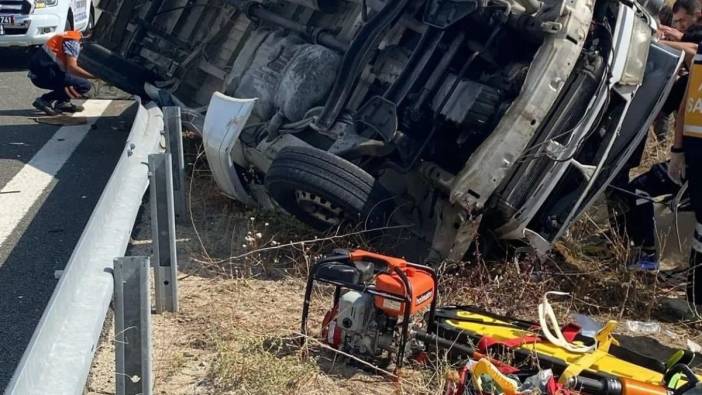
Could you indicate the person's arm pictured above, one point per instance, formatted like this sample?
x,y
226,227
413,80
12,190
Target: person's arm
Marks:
x,y
690,49
73,68
670,33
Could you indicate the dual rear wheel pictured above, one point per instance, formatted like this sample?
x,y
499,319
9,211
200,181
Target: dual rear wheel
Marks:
x,y
324,190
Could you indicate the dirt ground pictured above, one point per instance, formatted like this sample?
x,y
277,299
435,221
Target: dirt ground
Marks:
x,y
241,287
237,330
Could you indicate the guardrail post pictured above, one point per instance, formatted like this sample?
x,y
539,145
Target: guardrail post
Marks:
x,y
174,146
165,258
132,326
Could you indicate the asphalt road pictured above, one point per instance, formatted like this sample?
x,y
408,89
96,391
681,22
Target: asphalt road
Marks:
x,y
50,180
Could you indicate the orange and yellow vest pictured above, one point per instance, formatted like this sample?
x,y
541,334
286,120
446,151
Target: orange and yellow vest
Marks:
x,y
54,47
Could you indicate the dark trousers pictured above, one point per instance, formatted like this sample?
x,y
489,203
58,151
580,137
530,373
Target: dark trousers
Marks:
x,y
633,211
47,75
693,159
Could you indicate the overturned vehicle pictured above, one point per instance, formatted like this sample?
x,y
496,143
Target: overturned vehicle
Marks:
x,y
455,117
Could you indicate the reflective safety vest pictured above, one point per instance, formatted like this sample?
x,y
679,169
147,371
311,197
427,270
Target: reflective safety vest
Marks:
x,y
54,47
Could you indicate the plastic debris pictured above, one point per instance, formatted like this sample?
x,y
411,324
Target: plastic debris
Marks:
x,y
588,326
536,384
694,347
643,327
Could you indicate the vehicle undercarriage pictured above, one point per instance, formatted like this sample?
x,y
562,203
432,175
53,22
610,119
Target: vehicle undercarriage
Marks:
x,y
500,117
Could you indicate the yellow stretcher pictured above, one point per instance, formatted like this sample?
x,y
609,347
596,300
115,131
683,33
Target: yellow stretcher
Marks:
x,y
476,325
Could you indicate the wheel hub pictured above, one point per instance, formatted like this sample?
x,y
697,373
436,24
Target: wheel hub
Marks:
x,y
319,207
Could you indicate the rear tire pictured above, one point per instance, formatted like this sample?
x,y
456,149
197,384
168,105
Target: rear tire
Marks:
x,y
324,190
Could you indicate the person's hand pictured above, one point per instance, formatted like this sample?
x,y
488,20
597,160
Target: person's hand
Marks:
x,y
669,33
676,167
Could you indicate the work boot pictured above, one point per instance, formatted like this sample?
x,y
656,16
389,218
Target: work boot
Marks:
x,y
67,106
43,105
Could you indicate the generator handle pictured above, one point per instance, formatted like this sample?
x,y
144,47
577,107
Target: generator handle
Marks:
x,y
405,315
435,298
391,262
308,296
311,277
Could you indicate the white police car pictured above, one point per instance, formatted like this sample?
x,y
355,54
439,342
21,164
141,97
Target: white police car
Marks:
x,y
32,22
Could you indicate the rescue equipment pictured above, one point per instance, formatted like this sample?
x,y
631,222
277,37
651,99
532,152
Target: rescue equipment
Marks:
x,y
607,370
376,298
385,307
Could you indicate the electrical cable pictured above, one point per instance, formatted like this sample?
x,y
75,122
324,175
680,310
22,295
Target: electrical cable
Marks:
x,y
634,194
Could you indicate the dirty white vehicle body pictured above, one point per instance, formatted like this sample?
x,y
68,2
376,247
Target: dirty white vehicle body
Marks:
x,y
500,117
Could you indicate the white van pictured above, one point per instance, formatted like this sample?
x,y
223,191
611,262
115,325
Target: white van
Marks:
x,y
32,22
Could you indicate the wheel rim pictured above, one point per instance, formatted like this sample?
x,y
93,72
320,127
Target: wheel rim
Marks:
x,y
319,207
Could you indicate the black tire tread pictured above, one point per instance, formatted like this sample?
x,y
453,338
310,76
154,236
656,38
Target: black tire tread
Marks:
x,y
306,170
335,164
325,174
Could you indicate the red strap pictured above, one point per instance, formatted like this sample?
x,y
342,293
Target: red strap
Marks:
x,y
570,332
457,387
503,367
554,388
487,342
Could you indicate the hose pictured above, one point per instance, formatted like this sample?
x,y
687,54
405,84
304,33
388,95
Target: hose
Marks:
x,y
556,337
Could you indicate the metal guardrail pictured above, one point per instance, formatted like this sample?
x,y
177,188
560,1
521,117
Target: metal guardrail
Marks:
x,y
163,233
60,353
132,306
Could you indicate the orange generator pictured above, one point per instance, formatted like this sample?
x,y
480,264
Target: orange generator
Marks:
x,y
376,299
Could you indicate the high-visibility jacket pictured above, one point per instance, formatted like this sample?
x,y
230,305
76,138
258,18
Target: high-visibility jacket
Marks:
x,y
54,47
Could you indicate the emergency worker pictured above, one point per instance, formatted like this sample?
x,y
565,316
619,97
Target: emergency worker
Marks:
x,y
686,163
55,67
686,13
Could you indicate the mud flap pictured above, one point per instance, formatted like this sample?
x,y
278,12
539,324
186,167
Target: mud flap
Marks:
x,y
224,122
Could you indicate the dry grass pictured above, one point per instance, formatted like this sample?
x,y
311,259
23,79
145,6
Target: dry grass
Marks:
x,y
588,263
252,368
656,151
241,298
242,286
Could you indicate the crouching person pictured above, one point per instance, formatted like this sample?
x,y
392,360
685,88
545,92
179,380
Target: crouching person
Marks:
x,y
55,67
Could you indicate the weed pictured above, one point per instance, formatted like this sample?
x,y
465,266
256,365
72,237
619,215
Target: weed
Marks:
x,y
247,366
242,296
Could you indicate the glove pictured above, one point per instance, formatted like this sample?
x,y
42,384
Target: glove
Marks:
x,y
676,167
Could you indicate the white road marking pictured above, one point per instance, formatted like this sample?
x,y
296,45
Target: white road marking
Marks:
x,y
23,190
